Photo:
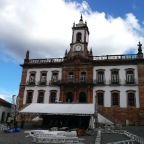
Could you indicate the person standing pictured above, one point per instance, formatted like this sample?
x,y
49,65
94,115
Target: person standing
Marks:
x,y
15,122
9,122
22,121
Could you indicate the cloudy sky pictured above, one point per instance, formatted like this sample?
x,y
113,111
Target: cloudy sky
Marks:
x,y
44,28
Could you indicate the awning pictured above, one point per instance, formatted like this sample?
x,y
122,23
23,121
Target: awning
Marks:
x,y
59,109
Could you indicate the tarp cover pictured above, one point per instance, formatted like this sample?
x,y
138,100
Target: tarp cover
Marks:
x,y
61,109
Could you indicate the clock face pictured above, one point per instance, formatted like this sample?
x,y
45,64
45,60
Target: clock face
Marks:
x,y
78,47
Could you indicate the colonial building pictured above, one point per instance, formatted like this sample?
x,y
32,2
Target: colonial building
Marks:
x,y
67,88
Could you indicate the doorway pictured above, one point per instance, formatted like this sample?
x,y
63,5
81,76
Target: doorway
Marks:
x,y
82,97
69,97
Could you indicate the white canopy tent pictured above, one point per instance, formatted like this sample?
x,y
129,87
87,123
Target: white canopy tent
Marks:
x,y
59,109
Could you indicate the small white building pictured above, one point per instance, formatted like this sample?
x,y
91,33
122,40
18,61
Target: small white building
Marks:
x,y
5,110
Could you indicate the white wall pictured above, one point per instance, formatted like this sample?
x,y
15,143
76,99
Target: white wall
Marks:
x,y
123,95
122,72
47,89
49,73
122,88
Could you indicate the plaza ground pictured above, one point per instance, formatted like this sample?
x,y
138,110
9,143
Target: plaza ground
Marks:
x,y
20,138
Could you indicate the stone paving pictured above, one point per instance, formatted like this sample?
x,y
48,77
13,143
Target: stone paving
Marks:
x,y
137,130
20,138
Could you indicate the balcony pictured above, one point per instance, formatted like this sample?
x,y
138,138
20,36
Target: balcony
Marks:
x,y
115,82
31,83
78,81
100,82
42,83
131,81
54,82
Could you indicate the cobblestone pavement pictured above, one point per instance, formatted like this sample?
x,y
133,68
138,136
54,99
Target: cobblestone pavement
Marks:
x,y
19,138
107,138
137,130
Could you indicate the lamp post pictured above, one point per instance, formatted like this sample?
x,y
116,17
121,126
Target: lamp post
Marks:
x,y
96,113
13,106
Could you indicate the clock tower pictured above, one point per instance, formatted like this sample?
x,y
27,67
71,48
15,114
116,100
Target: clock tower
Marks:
x,y
80,38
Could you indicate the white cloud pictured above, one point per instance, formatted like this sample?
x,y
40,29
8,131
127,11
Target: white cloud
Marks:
x,y
7,94
44,28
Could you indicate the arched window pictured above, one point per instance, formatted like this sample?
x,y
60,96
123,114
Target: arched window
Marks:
x,y
29,97
82,97
40,97
52,96
69,97
78,37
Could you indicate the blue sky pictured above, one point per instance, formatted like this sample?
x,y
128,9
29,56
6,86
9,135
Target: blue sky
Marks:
x,y
44,28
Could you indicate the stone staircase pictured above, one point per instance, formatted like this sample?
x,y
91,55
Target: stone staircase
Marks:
x,y
117,123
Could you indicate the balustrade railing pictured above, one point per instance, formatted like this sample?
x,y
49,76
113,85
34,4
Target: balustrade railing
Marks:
x,y
114,81
42,83
99,82
52,60
31,83
90,81
115,57
95,58
67,81
132,81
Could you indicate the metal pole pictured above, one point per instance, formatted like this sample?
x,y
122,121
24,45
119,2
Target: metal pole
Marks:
x,y
96,113
13,106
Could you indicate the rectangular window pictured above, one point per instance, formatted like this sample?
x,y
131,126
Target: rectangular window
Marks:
x,y
115,99
29,97
100,99
55,77
130,77
115,77
100,79
131,101
70,77
41,97
83,76
43,77
32,77
53,97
